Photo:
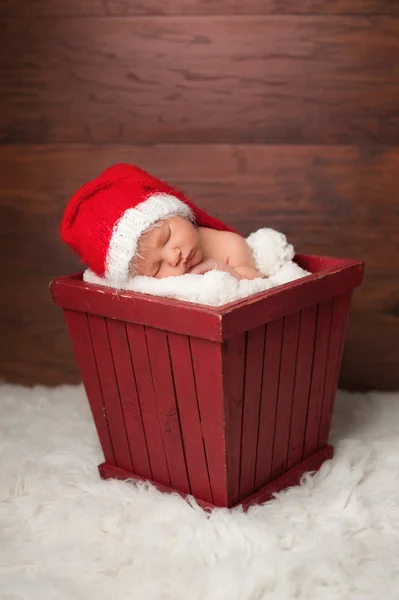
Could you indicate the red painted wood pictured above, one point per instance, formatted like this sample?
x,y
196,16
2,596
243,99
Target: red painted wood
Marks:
x,y
207,361
183,374
268,408
318,378
233,396
141,365
334,276
316,264
273,304
220,411
110,391
289,479
129,398
285,394
108,471
80,335
303,374
168,413
339,322
170,315
250,420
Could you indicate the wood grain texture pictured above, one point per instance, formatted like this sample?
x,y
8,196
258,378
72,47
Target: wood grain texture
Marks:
x,y
317,387
78,327
234,357
319,285
338,201
291,478
254,361
339,322
207,364
303,372
129,398
187,401
167,408
268,407
284,415
329,200
110,8
145,309
257,79
110,391
314,71
145,389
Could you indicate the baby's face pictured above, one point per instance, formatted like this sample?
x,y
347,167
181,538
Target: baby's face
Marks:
x,y
170,249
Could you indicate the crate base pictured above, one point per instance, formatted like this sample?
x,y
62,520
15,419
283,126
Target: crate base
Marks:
x,y
289,479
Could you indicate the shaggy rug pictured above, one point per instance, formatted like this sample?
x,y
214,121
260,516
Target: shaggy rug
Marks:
x,y
65,534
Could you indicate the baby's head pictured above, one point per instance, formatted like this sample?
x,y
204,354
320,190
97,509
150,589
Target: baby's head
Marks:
x,y
127,222
168,248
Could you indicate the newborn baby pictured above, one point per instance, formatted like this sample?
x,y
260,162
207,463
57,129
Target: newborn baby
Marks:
x,y
175,246
126,222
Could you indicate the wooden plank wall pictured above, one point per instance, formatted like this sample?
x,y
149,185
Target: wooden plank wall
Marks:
x,y
268,112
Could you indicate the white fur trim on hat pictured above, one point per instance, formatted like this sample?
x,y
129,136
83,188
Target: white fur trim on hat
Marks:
x,y
270,250
133,223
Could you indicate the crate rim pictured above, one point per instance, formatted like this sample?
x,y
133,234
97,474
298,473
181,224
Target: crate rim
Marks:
x,y
341,264
216,323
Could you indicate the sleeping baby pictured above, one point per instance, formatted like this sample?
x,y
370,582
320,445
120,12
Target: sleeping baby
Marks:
x,y
127,222
175,246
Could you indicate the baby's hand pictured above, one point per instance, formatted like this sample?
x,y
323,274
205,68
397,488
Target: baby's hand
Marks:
x,y
212,264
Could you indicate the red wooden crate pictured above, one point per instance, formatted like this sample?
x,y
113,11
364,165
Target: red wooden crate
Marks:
x,y
229,404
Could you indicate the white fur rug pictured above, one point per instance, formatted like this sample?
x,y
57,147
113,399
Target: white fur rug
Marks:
x,y
65,534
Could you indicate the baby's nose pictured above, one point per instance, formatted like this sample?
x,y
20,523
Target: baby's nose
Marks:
x,y
174,257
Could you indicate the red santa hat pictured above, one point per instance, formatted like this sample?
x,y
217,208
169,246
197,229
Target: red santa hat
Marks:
x,y
105,218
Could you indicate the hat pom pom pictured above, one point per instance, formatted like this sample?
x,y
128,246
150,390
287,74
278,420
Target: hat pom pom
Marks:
x,y
270,250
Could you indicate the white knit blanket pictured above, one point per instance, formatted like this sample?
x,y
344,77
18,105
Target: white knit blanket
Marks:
x,y
273,257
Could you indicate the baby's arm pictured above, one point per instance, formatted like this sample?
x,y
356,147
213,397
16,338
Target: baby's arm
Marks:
x,y
238,259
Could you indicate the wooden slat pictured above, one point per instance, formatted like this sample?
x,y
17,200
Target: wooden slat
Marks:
x,y
168,411
142,371
82,344
129,398
46,8
303,374
254,359
110,391
233,396
256,79
294,296
319,368
339,321
290,478
289,349
155,311
360,181
108,471
337,201
194,450
207,362
268,409
287,479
